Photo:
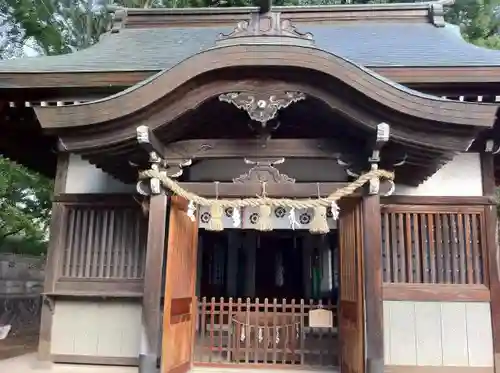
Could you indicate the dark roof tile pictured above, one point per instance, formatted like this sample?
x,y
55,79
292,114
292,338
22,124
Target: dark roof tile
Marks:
x,y
372,44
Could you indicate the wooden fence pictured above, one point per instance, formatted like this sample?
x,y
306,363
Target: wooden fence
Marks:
x,y
267,332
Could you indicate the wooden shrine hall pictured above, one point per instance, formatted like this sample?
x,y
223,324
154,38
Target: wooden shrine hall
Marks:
x,y
307,188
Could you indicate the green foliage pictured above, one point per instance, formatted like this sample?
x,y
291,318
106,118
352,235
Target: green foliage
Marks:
x,y
24,246
479,21
25,205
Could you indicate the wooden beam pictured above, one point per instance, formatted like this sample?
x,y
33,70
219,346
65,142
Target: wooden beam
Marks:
x,y
151,301
441,201
295,190
234,190
435,292
61,173
76,82
274,190
372,263
148,141
273,148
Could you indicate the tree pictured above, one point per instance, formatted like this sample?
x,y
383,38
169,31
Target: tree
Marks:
x,y
479,21
25,204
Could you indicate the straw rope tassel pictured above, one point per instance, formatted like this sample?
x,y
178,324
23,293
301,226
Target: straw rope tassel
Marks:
x,y
265,222
319,224
215,224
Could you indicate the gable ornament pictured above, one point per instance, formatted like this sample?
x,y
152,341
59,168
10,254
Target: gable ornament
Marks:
x,y
261,107
264,171
262,28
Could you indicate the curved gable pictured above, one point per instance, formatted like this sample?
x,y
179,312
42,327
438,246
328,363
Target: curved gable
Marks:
x,y
378,89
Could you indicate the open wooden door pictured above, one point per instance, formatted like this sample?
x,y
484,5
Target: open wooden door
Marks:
x,y
351,315
180,299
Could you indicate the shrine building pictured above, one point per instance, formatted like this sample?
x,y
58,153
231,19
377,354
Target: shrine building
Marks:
x,y
306,188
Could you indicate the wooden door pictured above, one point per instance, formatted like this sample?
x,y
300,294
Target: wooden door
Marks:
x,y
180,282
351,315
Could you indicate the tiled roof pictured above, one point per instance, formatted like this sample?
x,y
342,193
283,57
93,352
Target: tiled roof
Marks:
x,y
372,44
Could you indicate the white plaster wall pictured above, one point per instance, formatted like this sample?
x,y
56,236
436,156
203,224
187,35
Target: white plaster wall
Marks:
x,y
438,334
84,177
459,178
91,328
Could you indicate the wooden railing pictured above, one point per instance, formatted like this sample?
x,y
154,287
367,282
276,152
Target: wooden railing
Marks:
x,y
433,244
264,331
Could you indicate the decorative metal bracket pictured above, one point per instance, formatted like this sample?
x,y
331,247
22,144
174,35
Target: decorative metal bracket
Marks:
x,y
354,167
155,149
261,107
491,147
437,14
264,171
383,131
49,302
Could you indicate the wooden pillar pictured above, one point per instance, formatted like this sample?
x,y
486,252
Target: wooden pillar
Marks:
x,y
372,262
233,246
199,265
493,249
306,266
54,255
250,252
151,301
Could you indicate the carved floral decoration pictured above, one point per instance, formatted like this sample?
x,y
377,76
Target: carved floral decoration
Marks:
x,y
261,107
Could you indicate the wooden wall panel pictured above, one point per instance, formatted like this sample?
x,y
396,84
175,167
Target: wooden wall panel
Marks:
x,y
105,329
428,338
478,318
402,338
454,334
438,334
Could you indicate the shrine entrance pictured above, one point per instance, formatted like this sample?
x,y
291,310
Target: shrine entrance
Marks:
x,y
258,294
271,272
282,298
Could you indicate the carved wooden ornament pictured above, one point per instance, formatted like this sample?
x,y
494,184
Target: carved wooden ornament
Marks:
x,y
265,28
264,172
261,107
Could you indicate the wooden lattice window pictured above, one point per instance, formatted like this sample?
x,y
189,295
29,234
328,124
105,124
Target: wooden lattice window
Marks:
x,y
433,244
104,242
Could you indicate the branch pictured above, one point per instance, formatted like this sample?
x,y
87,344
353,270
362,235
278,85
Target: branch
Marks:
x,y
11,233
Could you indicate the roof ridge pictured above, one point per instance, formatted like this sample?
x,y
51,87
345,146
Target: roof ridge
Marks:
x,y
431,12
287,8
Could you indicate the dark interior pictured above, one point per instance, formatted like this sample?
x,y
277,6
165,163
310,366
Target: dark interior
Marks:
x,y
279,268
